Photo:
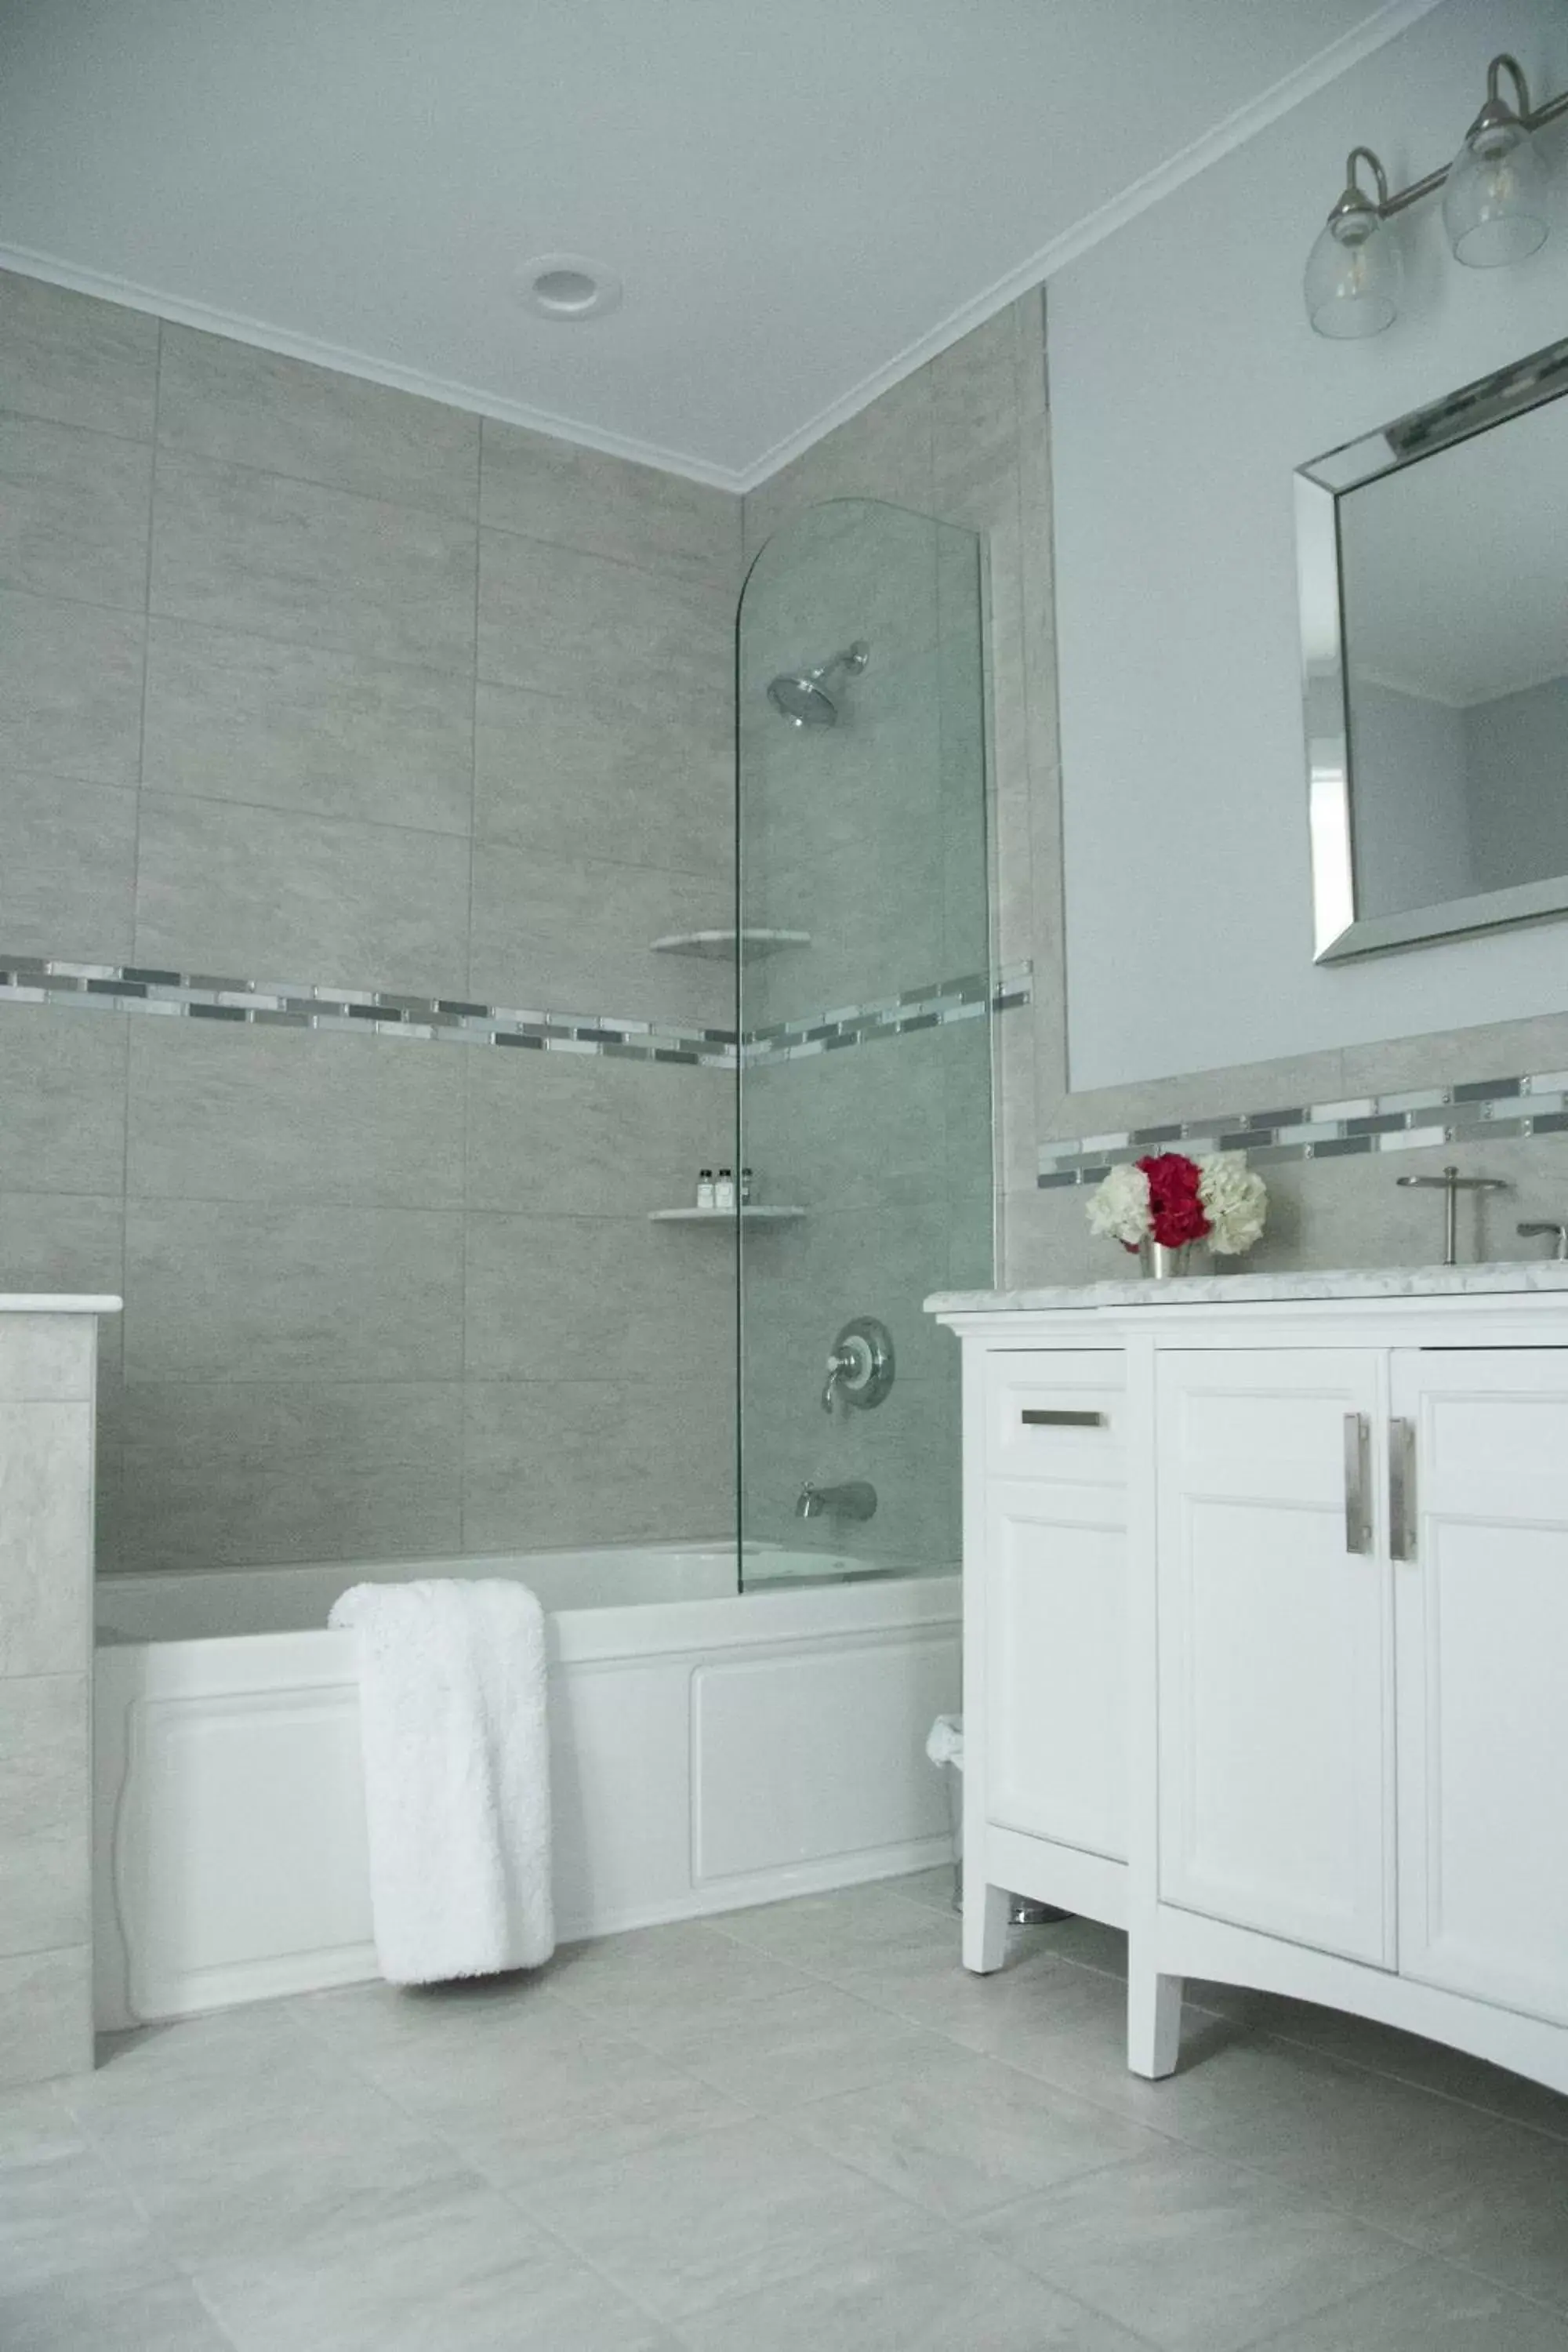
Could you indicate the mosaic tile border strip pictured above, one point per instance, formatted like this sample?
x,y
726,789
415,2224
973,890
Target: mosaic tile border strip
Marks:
x,y
1417,1118
381,1013
967,999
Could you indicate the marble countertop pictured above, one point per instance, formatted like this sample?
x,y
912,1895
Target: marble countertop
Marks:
x,y
1261,1289
57,1302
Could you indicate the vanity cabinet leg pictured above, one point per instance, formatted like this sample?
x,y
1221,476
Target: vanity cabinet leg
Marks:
x,y
1153,2022
986,1910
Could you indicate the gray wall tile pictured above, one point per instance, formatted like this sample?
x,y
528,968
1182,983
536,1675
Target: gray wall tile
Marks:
x,y
64,1241
62,1080
883,452
298,727
250,407
292,1115
577,934
43,1812
278,557
582,625
46,2016
593,1298
571,1461
73,512
78,361
70,689
46,1538
570,777
247,1472
68,869
263,895
582,1135
578,497
221,1292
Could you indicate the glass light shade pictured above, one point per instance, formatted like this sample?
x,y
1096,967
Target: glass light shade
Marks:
x,y
1495,200
1353,276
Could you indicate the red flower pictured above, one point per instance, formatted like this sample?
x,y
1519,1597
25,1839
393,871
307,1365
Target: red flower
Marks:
x,y
1175,1211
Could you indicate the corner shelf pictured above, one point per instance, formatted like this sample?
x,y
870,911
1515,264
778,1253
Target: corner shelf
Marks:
x,y
750,1215
730,946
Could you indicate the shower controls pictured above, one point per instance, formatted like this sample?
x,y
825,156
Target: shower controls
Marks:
x,y
859,1365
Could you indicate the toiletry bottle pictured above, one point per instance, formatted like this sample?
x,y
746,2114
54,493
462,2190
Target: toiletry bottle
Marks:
x,y
705,1187
745,1188
724,1192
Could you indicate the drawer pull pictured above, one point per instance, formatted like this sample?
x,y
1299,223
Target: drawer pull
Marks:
x,y
1036,1416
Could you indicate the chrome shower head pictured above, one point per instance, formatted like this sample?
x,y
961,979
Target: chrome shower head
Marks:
x,y
802,698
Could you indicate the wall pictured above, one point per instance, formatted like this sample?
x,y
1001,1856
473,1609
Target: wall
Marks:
x,y
302,679
1186,386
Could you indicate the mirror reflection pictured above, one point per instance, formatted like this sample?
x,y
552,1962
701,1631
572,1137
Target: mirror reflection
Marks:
x,y
1455,585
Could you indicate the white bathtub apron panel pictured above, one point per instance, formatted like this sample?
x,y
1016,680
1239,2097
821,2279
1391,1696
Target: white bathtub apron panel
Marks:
x,y
707,1753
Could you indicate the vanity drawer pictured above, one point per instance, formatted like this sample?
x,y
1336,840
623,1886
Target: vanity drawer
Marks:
x,y
1056,1415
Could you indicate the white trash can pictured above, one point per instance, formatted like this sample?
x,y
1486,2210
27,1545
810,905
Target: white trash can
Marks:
x,y
945,1746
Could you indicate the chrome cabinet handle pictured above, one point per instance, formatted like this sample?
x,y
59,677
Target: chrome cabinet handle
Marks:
x,y
1035,1416
1358,1531
1402,1489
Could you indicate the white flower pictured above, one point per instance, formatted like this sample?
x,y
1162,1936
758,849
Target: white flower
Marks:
x,y
1235,1200
1118,1206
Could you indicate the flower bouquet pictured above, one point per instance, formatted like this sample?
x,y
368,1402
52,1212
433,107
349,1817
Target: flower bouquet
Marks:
x,y
1164,1207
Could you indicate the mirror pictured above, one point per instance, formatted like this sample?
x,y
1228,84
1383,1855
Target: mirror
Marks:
x,y
1433,561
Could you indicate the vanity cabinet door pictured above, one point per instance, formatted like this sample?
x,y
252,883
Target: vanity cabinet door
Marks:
x,y
1482,1590
1053,1629
1276,1653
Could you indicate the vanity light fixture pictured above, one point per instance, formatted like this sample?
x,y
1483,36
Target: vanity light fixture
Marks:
x,y
1494,208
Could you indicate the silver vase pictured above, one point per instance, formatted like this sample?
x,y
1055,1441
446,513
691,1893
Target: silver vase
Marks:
x,y
1162,1265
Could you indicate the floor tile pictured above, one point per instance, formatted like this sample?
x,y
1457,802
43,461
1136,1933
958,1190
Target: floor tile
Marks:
x,y
517,2084
964,2135
237,2131
792,2046
66,2216
92,2314
829,1934
448,2270
937,2297
695,2222
931,1887
667,1972
1196,2255
35,2124
1498,2205
1375,2147
1430,2308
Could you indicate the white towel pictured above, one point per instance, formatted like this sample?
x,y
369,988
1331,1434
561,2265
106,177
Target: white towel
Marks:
x,y
457,1769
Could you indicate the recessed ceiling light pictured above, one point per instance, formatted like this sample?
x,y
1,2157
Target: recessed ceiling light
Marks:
x,y
569,285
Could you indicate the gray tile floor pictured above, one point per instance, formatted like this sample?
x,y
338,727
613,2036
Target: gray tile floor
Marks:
x,y
799,2129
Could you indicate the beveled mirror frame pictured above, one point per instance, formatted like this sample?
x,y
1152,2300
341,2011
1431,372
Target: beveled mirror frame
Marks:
x,y
1340,931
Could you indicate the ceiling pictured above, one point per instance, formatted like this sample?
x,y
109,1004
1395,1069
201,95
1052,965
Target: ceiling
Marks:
x,y
803,201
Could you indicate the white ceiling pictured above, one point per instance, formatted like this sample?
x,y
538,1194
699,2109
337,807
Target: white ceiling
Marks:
x,y
804,201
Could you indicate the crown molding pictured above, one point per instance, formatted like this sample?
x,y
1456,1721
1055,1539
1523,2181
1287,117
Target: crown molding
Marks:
x,y
265,337
1234,131
1384,26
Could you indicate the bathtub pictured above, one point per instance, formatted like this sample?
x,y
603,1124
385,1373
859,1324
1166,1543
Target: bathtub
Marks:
x,y
709,1751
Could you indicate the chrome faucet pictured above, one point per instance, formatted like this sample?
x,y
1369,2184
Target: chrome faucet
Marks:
x,y
857,1500
1560,1233
1451,1183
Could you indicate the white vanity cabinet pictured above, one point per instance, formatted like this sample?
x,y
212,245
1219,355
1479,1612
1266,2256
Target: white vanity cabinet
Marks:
x,y
1267,1641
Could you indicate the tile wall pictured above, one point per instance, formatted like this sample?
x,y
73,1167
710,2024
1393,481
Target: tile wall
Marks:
x,y
305,680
